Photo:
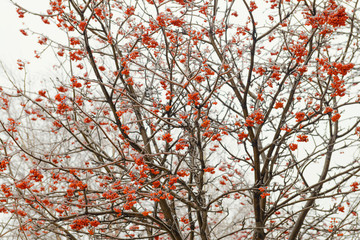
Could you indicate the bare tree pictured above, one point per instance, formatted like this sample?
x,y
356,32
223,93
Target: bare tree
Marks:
x,y
186,120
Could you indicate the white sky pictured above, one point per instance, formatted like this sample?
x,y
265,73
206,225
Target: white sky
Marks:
x,y
14,45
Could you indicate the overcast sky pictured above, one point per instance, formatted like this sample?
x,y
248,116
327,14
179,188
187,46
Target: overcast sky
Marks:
x,y
14,45
11,42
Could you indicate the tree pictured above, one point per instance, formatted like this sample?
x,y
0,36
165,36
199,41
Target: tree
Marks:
x,y
186,120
